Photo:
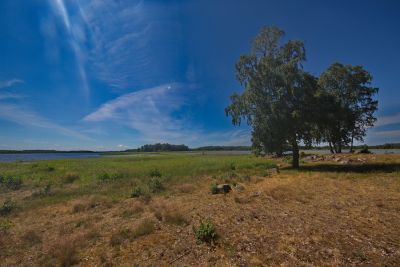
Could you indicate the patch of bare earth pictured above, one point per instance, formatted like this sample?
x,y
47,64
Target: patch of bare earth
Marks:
x,y
307,218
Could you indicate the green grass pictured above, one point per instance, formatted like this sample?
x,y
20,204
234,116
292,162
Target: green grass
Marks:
x,y
116,176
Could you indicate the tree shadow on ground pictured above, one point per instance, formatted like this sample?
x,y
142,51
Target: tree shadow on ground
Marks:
x,y
357,168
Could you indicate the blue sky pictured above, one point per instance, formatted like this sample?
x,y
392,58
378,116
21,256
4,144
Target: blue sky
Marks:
x,y
111,75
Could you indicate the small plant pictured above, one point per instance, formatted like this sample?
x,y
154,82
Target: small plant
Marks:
x,y
10,182
145,227
50,169
155,173
43,192
5,225
7,207
136,192
69,178
105,177
155,185
214,188
232,166
206,232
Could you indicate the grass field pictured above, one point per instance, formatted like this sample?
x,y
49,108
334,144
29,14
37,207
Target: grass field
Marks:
x,y
143,210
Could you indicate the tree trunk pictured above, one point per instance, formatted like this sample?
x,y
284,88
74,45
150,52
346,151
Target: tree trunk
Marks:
x,y
340,147
331,148
351,146
295,150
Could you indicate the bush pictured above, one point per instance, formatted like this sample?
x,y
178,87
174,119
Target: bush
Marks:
x,y
7,207
43,192
145,227
105,177
69,178
136,192
214,188
155,173
365,150
10,182
155,185
50,169
206,232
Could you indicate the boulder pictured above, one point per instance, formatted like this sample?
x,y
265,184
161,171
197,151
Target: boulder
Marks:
x,y
223,188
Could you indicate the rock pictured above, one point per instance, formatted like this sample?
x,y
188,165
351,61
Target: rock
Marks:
x,y
223,188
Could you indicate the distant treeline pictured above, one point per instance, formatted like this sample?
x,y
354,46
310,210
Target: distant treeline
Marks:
x,y
159,148
223,148
38,151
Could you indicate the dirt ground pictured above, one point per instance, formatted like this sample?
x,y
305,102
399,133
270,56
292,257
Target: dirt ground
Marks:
x,y
325,214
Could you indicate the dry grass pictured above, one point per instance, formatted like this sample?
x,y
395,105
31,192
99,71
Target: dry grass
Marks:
x,y
326,214
186,188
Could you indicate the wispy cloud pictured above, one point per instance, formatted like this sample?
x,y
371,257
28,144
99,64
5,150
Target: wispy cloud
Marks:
x,y
151,112
28,118
9,83
388,120
7,95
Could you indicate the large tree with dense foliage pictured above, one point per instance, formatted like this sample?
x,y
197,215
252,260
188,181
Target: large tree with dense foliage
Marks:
x,y
279,96
346,105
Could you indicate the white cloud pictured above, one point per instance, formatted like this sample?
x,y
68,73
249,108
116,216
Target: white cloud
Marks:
x,y
388,120
7,95
9,83
28,118
151,113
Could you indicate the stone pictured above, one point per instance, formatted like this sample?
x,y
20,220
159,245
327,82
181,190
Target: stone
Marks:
x,y
223,188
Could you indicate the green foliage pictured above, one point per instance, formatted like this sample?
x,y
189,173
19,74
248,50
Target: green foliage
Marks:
x,y
155,185
162,147
50,169
136,192
214,188
5,225
365,150
278,95
69,178
206,232
155,173
7,207
107,177
10,182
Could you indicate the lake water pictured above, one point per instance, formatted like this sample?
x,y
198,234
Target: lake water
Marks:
x,y
45,156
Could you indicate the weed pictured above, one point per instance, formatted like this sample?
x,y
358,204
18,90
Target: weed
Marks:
x,y
232,166
5,225
66,252
31,237
43,192
136,192
50,168
133,211
155,173
170,215
7,207
105,177
155,185
214,188
10,182
145,227
69,178
206,232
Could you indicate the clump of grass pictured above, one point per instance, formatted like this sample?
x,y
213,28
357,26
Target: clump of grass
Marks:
x,y
132,211
170,215
186,188
107,177
31,237
50,168
7,207
43,192
137,191
232,166
145,227
155,173
214,188
206,232
69,178
5,225
10,182
66,252
155,185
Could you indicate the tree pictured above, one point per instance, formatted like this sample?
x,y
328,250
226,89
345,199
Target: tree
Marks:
x,y
347,105
278,97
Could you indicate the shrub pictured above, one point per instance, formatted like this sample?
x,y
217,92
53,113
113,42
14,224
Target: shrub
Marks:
x,y
214,188
206,232
232,166
5,225
155,185
43,192
7,207
69,178
110,177
155,173
136,192
365,150
10,182
145,227
50,169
